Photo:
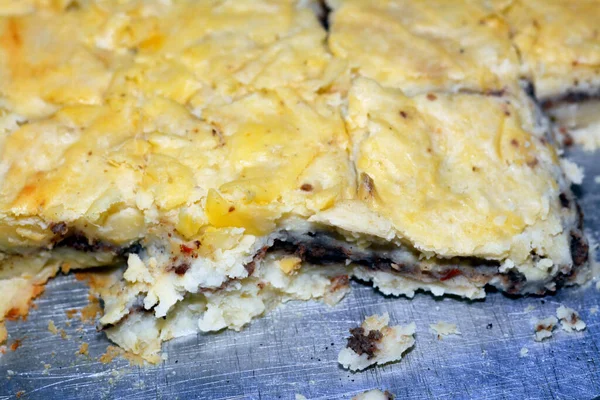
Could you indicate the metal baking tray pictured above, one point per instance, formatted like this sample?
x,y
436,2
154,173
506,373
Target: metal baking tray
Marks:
x,y
293,350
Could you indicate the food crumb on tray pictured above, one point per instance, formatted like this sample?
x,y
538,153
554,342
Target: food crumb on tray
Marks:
x,y
544,328
374,394
573,171
569,319
52,327
442,328
524,351
374,342
83,349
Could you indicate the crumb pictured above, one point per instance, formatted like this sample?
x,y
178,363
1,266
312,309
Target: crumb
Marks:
x,y
15,345
113,352
374,342
63,334
594,310
3,332
52,327
442,328
92,310
523,352
139,385
573,171
19,394
2,349
529,308
374,394
71,313
83,349
544,328
569,319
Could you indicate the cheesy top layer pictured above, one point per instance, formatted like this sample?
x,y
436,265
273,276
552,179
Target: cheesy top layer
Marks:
x,y
456,174
193,52
559,42
420,46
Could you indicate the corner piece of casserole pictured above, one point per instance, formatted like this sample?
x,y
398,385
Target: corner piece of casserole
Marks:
x,y
234,162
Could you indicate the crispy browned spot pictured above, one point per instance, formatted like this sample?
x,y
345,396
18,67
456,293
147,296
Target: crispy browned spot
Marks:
x,y
364,344
367,186
251,266
13,33
532,163
339,282
180,269
307,187
579,248
13,314
59,228
431,97
185,249
92,310
15,345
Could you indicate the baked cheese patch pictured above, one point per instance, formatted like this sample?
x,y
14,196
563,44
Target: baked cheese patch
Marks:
x,y
457,174
425,45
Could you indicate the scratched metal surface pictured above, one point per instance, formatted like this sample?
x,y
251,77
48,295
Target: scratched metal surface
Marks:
x,y
294,349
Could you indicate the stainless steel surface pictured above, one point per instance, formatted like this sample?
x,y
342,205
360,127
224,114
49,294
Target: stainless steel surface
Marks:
x,y
294,349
